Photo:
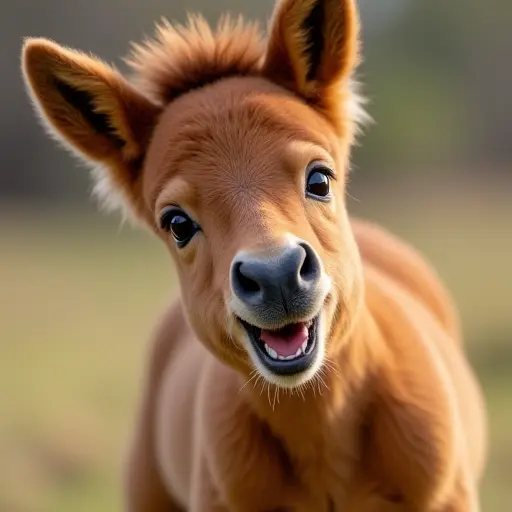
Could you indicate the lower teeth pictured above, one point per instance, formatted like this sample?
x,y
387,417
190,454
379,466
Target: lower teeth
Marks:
x,y
274,355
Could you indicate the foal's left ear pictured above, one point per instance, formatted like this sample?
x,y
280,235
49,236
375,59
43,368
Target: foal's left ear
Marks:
x,y
313,47
94,110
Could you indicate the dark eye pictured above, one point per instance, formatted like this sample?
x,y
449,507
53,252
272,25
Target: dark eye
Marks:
x,y
318,183
179,224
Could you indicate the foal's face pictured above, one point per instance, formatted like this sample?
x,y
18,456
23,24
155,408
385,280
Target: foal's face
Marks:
x,y
246,185
235,153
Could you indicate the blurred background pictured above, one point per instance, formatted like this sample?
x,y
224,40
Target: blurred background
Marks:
x,y
79,295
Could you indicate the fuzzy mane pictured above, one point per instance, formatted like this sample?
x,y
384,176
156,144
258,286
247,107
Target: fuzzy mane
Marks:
x,y
185,57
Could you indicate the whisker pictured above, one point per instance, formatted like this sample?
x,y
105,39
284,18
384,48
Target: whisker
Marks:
x,y
260,378
352,197
322,381
275,395
301,389
253,374
333,367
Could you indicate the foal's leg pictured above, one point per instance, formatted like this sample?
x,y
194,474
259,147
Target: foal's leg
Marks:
x,y
144,488
464,497
205,497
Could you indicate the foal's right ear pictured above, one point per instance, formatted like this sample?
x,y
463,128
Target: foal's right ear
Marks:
x,y
313,48
92,109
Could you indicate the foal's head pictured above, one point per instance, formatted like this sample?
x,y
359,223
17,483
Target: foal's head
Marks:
x,y
234,151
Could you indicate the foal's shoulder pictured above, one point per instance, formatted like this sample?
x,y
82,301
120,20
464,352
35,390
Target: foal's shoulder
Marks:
x,y
406,266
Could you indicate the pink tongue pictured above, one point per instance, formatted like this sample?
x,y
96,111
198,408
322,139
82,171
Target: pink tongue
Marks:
x,y
286,341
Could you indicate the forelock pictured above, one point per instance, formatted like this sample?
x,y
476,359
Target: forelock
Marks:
x,y
184,57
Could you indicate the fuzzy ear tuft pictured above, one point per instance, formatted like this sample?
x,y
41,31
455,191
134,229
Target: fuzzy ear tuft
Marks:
x,y
91,109
313,47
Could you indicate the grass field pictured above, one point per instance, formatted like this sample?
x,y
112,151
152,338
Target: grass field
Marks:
x,y
78,298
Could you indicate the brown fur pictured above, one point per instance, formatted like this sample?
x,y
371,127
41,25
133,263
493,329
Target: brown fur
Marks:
x,y
224,125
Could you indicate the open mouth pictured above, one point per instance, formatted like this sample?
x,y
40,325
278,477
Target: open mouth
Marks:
x,y
286,351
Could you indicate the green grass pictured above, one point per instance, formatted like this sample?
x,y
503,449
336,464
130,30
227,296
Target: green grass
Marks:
x,y
78,299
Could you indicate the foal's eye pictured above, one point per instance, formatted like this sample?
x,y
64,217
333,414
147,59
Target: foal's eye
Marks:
x,y
179,224
318,182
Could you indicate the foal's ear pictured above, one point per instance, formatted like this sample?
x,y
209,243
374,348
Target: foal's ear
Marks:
x,y
313,47
90,108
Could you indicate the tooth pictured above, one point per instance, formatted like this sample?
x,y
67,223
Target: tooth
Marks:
x,y
304,346
271,352
298,353
281,358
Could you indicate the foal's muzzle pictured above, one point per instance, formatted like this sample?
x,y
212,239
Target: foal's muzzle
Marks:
x,y
277,289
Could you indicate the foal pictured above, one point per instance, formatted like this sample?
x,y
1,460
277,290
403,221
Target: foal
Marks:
x,y
314,362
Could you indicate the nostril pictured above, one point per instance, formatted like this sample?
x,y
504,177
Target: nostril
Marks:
x,y
310,266
246,283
